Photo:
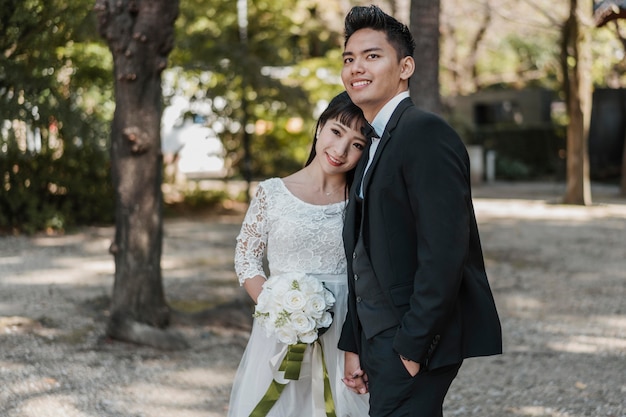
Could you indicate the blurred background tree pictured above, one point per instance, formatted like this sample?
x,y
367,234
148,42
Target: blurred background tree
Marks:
x,y
291,62
56,86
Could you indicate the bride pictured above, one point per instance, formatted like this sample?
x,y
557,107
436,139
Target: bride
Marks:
x,y
296,222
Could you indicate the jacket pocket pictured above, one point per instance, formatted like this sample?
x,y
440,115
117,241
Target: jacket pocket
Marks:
x,y
401,294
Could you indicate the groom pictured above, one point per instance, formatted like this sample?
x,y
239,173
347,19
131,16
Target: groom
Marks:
x,y
419,300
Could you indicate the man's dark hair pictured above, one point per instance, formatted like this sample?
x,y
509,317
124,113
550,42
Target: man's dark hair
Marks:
x,y
372,17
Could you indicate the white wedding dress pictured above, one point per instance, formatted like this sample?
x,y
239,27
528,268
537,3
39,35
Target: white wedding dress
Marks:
x,y
295,236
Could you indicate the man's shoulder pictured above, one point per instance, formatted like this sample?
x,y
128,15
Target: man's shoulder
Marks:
x,y
418,120
412,113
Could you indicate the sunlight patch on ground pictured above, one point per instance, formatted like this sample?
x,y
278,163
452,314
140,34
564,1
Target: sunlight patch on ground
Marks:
x,y
522,305
51,406
204,378
589,344
98,266
16,324
70,239
155,400
11,260
538,411
32,387
537,209
68,275
159,393
616,322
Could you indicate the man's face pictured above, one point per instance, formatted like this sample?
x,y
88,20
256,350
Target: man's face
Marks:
x,y
372,74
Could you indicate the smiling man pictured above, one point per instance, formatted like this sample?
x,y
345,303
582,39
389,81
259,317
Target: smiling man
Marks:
x,y
419,299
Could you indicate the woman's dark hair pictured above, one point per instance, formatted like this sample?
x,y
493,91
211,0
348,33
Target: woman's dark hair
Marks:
x,y
340,107
372,17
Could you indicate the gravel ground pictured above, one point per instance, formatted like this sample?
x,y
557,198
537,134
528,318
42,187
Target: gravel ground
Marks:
x,y
558,274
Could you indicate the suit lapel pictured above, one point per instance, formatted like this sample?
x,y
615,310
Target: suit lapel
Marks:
x,y
391,125
358,173
352,216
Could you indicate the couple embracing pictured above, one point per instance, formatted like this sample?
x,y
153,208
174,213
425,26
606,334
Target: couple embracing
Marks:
x,y
382,216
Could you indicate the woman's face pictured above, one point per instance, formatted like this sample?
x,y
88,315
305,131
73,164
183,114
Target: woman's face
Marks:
x,y
339,147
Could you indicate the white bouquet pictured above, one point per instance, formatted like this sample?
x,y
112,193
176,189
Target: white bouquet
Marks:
x,y
294,307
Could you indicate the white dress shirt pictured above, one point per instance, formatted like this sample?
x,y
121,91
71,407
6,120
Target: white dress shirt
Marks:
x,y
379,124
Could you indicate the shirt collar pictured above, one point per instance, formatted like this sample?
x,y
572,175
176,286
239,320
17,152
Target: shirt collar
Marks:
x,y
382,118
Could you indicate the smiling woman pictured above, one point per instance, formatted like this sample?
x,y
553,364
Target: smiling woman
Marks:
x,y
296,223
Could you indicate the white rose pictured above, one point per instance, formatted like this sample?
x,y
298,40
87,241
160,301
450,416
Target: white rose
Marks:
x,y
280,285
274,314
308,337
326,320
329,297
287,335
263,301
315,306
311,285
269,327
302,323
294,300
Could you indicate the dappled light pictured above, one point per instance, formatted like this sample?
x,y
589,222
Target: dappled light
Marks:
x,y
539,210
535,411
558,274
589,344
523,306
53,405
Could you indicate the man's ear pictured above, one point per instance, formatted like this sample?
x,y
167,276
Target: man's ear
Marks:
x,y
407,67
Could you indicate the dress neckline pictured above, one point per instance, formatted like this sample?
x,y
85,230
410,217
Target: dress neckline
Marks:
x,y
306,202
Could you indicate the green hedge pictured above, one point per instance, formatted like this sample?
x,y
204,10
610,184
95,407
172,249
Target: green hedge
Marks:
x,y
44,191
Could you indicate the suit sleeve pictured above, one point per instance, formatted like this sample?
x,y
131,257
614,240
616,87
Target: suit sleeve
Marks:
x,y
435,168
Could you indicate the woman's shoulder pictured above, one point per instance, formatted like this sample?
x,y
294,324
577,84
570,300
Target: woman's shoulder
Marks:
x,y
269,187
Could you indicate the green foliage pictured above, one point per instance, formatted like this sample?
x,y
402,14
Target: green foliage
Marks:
x,y
271,79
608,57
196,200
56,79
41,191
199,198
55,100
535,59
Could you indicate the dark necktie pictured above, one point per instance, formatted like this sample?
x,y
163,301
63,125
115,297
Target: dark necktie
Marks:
x,y
368,131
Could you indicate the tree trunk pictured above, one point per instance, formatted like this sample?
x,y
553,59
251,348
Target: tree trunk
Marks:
x,y
424,84
576,66
140,35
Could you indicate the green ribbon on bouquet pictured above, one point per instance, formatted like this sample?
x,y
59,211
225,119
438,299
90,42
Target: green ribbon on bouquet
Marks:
x,y
291,366
292,363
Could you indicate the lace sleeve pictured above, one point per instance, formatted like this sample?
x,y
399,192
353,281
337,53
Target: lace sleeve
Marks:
x,y
252,239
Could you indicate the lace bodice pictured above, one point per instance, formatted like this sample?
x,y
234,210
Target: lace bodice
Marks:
x,y
292,234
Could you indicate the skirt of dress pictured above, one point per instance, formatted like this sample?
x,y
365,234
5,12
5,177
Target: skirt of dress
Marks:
x,y
254,374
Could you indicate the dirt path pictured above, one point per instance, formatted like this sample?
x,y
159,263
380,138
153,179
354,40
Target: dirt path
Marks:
x,y
558,275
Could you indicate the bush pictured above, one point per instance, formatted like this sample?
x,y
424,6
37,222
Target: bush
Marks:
x,y
195,200
42,191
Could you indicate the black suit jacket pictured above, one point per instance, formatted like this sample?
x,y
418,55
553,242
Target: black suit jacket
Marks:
x,y
422,239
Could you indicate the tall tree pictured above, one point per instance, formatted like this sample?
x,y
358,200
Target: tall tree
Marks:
x,y
424,84
576,67
140,35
